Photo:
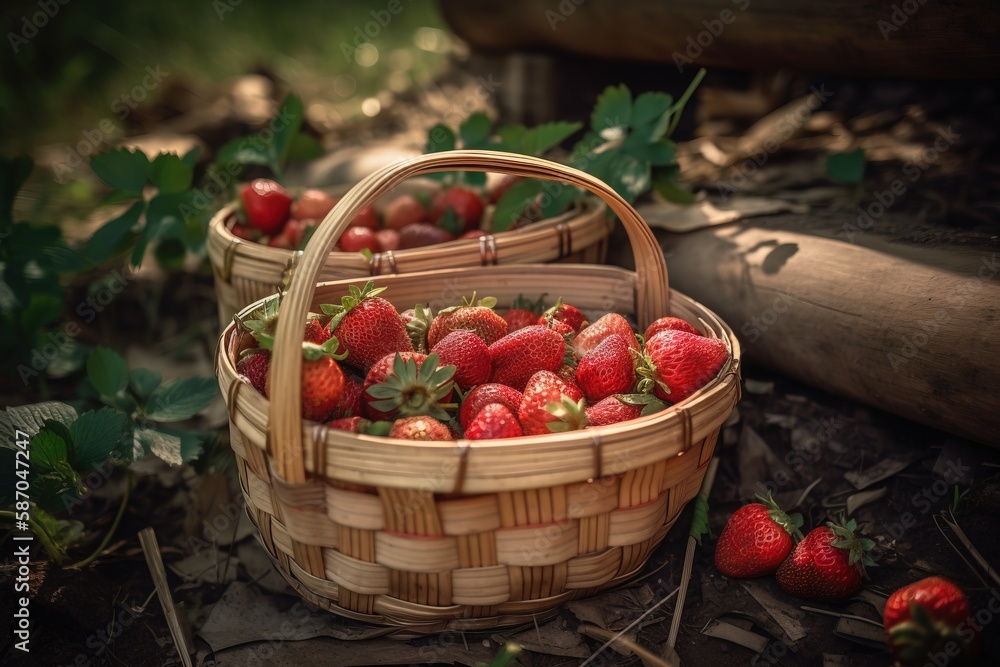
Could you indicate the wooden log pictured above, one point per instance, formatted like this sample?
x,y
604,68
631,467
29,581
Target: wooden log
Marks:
x,y
919,39
904,318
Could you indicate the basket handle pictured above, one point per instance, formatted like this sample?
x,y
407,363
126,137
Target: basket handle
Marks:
x,y
285,427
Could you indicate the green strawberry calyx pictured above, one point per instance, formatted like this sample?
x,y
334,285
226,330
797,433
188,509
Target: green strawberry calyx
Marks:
x,y
355,296
416,328
523,303
262,322
650,403
858,548
569,415
921,636
485,302
414,392
314,352
649,378
792,523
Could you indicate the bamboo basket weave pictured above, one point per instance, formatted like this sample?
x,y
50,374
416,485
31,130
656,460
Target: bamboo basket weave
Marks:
x,y
423,537
246,271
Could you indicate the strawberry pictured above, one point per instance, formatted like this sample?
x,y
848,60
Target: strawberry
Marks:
x,y
468,354
676,364
930,618
266,205
828,564
253,364
567,373
402,211
563,312
607,369
312,205
475,316
351,403
612,410
420,234
356,239
550,405
522,313
472,234
668,323
408,387
519,355
290,236
466,205
246,233
493,421
316,332
420,428
756,539
352,424
368,326
322,380
388,239
612,323
366,218
484,395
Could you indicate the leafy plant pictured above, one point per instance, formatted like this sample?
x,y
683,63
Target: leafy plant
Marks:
x,y
848,168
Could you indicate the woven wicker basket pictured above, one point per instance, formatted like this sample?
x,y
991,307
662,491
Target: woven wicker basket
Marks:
x,y
245,271
432,536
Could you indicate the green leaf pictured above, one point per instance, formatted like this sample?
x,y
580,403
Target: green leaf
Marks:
x,y
440,138
555,204
65,532
122,169
286,126
181,399
613,109
846,168
163,219
191,157
678,108
514,203
170,174
14,172
512,138
32,418
47,449
95,436
143,381
106,240
475,130
107,371
628,176
474,178
699,522
52,488
650,109
171,446
304,147
660,154
242,151
170,254
540,139
673,191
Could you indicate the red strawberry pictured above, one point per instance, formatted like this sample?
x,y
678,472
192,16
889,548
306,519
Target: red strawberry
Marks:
x,y
468,354
421,234
756,539
520,315
290,236
266,204
420,428
563,312
316,332
519,355
322,380
366,218
408,384
466,204
486,394
472,234
550,405
356,239
351,403
388,239
477,317
612,323
312,205
402,211
367,326
930,618
253,365
493,421
668,323
607,369
246,233
612,410
352,424
676,364
827,565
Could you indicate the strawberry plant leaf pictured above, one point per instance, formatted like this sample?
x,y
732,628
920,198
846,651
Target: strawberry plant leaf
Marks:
x,y
476,179
848,168
628,176
671,190
514,203
651,109
512,138
96,435
440,138
191,157
143,381
14,172
108,239
180,399
47,449
554,204
304,147
613,109
542,138
475,131
192,445
285,126
107,371
241,151
165,446
170,174
699,522
32,418
122,169
660,154
163,219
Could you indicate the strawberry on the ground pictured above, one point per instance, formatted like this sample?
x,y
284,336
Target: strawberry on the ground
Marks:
x,y
421,234
519,355
388,239
930,622
757,539
607,369
417,321
402,211
668,323
312,205
322,380
676,364
550,405
468,354
591,336
352,424
367,326
408,385
486,394
253,365
495,420
467,206
366,217
351,403
523,313
420,428
356,239
266,204
563,312
828,564
475,316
